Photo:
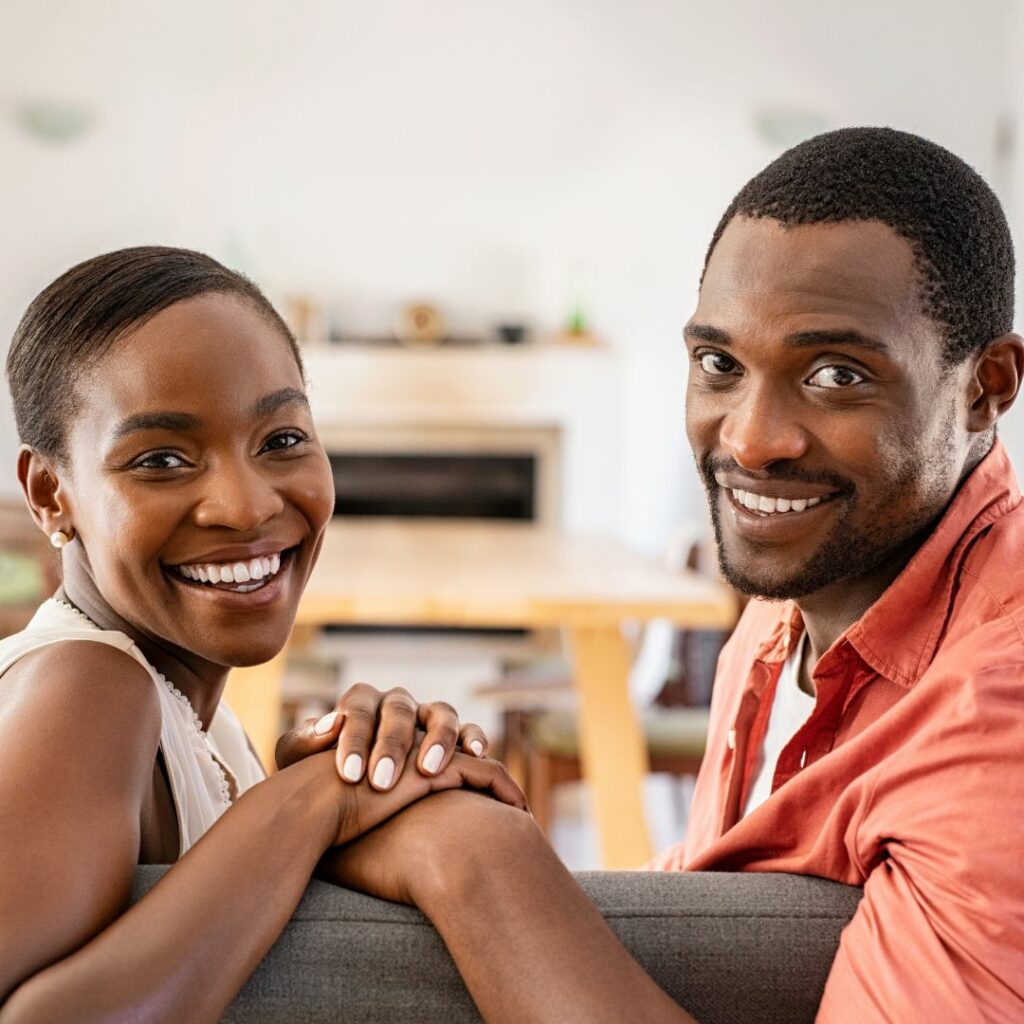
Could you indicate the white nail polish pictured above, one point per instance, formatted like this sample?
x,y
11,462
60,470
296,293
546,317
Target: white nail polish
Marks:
x,y
326,724
433,759
384,773
477,747
353,768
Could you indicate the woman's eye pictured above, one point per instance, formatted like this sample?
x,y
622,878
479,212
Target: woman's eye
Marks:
x,y
160,460
279,442
716,364
835,377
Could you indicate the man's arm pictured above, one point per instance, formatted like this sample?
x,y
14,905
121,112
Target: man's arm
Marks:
x,y
528,943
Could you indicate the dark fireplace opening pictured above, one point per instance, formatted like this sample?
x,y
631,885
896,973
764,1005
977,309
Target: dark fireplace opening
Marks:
x,y
446,485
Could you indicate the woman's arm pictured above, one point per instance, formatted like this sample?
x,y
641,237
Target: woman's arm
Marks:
x,y
69,840
528,943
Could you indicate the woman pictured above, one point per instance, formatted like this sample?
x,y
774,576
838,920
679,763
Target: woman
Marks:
x,y
170,454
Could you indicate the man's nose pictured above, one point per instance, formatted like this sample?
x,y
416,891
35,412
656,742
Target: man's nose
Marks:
x,y
238,497
762,428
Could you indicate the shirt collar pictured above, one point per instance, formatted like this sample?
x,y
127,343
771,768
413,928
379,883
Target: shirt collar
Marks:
x,y
897,636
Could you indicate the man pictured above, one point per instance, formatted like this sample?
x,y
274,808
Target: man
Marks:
x,y
850,356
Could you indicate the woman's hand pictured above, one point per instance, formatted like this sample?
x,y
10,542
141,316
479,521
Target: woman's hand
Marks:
x,y
375,732
361,808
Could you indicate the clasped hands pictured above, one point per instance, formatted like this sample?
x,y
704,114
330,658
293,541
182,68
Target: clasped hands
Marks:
x,y
391,752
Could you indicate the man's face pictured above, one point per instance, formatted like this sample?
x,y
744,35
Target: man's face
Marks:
x,y
823,423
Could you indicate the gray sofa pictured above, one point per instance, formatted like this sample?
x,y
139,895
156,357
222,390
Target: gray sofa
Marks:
x,y
731,948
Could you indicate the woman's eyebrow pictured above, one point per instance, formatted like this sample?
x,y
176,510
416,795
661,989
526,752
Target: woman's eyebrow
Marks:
x,y
177,421
276,399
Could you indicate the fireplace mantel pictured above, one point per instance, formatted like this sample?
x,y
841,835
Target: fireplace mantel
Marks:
x,y
576,391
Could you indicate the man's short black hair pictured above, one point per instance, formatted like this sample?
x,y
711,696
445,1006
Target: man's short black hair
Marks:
x,y
951,218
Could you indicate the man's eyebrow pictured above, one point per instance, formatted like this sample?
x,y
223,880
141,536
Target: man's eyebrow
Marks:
x,y
849,338
276,399
705,332
802,339
175,421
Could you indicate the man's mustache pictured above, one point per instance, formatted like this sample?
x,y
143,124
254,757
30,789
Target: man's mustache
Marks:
x,y
710,465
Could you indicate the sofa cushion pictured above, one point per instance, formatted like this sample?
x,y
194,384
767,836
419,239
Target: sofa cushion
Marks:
x,y
730,948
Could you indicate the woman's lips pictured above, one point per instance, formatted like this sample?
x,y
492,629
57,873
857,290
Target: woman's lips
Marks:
x,y
249,594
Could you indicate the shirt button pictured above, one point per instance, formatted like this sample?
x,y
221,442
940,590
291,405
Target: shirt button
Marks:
x,y
730,740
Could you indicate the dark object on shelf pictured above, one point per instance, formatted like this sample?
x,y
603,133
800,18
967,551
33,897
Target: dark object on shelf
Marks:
x,y
512,334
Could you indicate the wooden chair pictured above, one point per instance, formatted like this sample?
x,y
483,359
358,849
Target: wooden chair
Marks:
x,y
540,745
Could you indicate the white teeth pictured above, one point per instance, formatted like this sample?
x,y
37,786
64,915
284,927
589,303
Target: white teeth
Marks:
x,y
256,569
770,506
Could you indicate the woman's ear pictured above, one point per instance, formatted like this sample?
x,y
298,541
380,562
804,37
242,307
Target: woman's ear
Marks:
x,y
994,381
45,493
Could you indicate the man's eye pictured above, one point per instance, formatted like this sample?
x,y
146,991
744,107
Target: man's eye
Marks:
x,y
716,364
160,460
287,439
835,377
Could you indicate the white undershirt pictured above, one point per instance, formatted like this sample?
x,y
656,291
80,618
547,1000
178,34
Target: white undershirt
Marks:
x,y
790,710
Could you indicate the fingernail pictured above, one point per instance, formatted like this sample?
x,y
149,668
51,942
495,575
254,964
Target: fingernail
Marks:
x,y
435,755
477,747
353,768
326,724
384,773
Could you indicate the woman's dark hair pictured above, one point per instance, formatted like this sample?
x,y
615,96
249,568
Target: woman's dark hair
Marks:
x,y
73,321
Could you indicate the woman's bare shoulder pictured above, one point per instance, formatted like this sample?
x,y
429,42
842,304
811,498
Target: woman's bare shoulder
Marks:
x,y
85,683
79,731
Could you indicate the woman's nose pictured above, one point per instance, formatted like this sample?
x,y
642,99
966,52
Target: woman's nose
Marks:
x,y
238,497
762,429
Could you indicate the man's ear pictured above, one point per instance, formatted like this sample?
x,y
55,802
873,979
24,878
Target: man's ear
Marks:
x,y
994,381
45,492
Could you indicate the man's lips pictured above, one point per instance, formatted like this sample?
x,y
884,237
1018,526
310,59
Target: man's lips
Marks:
x,y
788,490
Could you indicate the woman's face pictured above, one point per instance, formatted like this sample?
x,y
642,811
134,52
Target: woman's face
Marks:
x,y
192,451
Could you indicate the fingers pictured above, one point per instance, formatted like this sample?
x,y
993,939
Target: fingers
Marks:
x,y
473,740
311,737
359,705
396,733
441,722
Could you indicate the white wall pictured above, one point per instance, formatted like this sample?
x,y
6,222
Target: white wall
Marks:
x,y
468,150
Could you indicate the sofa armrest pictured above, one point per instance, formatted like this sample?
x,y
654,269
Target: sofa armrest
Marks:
x,y
730,948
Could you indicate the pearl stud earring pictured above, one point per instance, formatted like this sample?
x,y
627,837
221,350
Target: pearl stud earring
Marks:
x,y
59,538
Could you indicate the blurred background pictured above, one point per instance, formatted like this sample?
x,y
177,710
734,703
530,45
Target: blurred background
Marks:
x,y
486,222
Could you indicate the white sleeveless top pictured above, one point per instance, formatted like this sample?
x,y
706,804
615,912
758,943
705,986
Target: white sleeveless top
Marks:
x,y
200,765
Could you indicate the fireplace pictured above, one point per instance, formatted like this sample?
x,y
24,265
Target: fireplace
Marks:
x,y
506,474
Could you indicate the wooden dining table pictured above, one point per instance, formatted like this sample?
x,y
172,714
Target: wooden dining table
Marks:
x,y
502,575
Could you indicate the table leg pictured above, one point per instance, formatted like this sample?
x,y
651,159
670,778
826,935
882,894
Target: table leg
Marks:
x,y
613,752
255,696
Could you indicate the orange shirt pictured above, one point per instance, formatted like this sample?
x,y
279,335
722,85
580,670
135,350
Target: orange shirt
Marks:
x,y
908,778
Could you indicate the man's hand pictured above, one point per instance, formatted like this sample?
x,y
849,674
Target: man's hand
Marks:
x,y
375,732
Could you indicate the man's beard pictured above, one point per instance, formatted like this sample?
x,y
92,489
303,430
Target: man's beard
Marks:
x,y
848,551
